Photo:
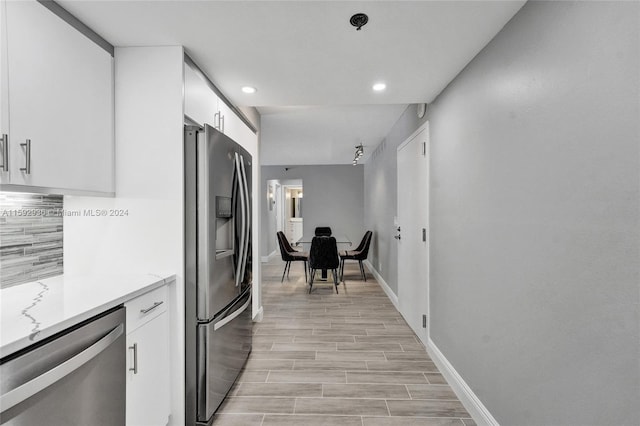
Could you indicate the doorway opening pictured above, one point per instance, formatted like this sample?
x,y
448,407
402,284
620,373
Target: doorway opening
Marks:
x,y
292,211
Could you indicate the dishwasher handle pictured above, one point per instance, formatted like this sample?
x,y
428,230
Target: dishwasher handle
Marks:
x,y
32,387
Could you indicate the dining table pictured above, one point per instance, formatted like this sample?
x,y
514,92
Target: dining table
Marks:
x,y
340,239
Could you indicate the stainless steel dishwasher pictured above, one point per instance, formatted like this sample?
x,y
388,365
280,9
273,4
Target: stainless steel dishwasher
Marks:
x,y
77,377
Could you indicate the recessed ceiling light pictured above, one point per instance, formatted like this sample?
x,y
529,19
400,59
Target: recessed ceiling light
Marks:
x,y
249,89
379,87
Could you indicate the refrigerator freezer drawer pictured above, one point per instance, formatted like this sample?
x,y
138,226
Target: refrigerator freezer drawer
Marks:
x,y
223,348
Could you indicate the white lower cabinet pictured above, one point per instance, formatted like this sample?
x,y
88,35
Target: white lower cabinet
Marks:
x,y
148,381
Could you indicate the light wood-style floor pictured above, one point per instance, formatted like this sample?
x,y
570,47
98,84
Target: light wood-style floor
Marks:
x,y
336,359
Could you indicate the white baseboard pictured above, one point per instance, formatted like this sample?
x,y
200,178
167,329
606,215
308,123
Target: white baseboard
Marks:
x,y
267,259
392,296
258,315
471,402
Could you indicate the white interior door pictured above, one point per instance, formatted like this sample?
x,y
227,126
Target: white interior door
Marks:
x,y
413,221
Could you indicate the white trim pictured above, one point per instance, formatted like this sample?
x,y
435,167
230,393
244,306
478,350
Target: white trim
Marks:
x,y
425,125
471,402
267,259
277,205
392,296
258,315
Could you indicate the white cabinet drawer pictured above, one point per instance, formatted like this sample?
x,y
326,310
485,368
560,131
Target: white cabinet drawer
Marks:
x,y
145,308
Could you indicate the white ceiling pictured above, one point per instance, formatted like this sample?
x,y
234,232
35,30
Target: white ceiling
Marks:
x,y
324,134
305,53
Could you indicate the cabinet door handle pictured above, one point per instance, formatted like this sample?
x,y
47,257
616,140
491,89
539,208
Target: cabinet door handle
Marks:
x,y
216,120
135,358
151,308
27,157
5,152
222,123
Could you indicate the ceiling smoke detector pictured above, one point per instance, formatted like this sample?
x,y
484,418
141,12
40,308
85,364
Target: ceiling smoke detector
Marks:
x,y
359,20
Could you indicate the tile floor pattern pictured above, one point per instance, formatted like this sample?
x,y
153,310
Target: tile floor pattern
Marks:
x,y
336,359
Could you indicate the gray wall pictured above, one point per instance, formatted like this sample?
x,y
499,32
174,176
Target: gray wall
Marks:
x,y
333,195
535,195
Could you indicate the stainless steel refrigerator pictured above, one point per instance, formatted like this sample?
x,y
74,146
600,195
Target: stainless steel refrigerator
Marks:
x,y
217,268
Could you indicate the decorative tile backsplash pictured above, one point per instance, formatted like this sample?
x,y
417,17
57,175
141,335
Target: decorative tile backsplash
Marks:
x,y
30,237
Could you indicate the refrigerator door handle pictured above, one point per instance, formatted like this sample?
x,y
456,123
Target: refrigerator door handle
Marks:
x,y
32,387
234,213
232,316
246,217
240,266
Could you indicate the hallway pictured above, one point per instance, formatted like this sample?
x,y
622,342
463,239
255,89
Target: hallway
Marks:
x,y
343,359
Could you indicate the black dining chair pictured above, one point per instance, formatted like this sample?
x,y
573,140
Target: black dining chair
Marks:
x,y
360,253
323,255
323,231
290,255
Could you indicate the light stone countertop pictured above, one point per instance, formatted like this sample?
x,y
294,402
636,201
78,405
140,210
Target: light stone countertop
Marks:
x,y
37,310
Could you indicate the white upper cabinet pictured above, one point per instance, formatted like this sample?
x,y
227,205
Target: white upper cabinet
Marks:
x,y
4,98
202,105
231,123
60,103
200,102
